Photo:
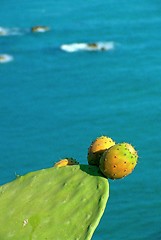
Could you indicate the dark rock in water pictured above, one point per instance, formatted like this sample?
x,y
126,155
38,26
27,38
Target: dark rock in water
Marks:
x,y
40,29
92,45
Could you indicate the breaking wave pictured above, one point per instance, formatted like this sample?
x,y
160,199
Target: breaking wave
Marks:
x,y
4,58
98,46
10,31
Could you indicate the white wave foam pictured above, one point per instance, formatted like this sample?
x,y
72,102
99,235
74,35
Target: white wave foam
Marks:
x,y
10,31
3,31
98,46
18,31
4,58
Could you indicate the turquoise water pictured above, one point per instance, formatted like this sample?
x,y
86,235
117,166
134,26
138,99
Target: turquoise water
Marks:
x,y
53,103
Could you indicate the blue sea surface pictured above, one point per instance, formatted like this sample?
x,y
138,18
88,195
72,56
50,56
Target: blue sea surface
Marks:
x,y
53,103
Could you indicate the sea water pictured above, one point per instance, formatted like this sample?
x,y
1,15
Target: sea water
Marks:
x,y
54,102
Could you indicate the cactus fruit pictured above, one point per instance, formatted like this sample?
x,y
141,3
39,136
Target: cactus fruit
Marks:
x,y
66,161
118,161
97,148
63,203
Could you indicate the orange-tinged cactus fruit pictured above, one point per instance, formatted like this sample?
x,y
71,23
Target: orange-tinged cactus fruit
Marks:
x,y
97,148
66,161
118,161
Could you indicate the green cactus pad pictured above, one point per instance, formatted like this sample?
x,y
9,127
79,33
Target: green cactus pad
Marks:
x,y
64,203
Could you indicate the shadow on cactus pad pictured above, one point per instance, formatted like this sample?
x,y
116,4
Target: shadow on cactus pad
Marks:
x,y
64,203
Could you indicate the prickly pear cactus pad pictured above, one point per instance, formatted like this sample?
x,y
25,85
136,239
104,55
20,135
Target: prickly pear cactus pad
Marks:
x,y
58,203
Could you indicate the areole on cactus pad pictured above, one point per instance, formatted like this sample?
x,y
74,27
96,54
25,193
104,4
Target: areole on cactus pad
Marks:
x,y
118,161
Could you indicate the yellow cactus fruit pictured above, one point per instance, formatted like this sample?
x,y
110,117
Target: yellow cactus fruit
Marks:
x,y
118,161
97,148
